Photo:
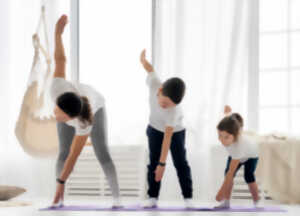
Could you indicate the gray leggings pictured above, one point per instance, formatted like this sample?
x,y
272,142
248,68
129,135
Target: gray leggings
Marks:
x,y
99,139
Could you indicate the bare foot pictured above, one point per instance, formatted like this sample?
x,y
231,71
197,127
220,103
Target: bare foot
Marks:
x,y
60,25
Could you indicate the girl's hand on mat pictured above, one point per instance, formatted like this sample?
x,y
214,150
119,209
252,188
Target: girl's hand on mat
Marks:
x,y
59,195
148,67
159,172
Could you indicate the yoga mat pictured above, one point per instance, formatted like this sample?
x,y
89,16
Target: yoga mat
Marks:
x,y
161,209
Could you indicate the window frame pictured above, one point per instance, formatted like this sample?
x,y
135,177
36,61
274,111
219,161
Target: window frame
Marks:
x,y
288,32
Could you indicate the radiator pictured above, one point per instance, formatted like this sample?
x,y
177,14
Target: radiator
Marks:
x,y
88,181
241,190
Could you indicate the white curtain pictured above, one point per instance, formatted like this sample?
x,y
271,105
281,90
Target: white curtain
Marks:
x,y
112,36
5,53
205,42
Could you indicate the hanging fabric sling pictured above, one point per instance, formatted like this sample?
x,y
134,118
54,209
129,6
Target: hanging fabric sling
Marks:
x,y
36,125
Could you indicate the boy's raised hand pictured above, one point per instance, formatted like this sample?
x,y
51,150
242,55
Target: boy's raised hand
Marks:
x,y
148,67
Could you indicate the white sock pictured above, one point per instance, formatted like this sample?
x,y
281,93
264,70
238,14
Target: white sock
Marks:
x,y
116,203
151,202
227,202
59,204
224,204
258,203
188,203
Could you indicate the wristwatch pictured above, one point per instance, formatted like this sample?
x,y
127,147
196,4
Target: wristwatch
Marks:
x,y
161,164
60,181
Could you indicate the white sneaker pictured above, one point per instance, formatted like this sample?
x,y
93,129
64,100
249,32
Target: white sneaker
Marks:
x,y
224,205
116,203
151,203
188,204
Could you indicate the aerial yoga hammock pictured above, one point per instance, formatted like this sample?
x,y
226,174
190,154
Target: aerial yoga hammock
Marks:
x,y
36,126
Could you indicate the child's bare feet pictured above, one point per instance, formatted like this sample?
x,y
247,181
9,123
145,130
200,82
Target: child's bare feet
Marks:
x,y
60,25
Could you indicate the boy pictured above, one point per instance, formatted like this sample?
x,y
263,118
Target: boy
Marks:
x,y
166,131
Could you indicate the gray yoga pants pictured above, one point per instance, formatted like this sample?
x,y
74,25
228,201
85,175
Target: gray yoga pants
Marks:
x,y
99,140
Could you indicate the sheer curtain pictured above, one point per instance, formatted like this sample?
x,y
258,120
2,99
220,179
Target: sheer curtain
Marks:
x,y
112,36
206,43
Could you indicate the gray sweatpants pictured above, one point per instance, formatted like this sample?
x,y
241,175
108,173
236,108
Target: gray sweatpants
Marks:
x,y
99,140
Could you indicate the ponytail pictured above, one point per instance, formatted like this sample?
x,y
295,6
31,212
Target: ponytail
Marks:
x,y
86,115
238,118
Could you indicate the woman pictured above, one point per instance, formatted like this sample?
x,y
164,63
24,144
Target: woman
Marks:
x,y
80,113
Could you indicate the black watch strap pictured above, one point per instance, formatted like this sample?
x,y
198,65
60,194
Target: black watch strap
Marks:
x,y
162,164
60,181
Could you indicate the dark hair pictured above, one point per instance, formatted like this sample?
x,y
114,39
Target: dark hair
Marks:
x,y
75,106
86,111
174,88
231,124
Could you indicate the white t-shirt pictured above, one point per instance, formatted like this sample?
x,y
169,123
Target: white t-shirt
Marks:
x,y
161,118
96,100
243,149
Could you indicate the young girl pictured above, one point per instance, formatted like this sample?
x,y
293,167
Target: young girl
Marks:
x,y
80,113
242,152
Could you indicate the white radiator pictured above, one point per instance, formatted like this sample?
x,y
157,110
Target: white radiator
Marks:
x,y
241,190
88,181
240,187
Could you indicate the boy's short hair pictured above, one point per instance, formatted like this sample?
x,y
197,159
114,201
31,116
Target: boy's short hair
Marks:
x,y
174,88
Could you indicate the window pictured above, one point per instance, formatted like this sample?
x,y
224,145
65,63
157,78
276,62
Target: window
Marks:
x,y
279,104
112,35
